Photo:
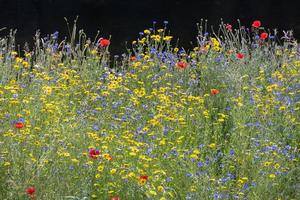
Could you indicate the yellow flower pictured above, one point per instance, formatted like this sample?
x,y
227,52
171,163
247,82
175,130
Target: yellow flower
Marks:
x,y
97,176
160,188
47,90
266,164
193,188
245,179
25,64
113,171
167,38
74,160
276,166
194,156
212,145
152,193
272,175
147,32
100,168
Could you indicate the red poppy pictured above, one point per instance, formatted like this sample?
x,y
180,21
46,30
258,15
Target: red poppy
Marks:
x,y
264,35
239,56
214,92
19,125
181,65
229,27
30,190
116,198
93,153
256,24
143,179
104,42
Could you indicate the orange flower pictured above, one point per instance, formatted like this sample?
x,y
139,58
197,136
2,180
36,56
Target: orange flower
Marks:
x,y
107,157
214,92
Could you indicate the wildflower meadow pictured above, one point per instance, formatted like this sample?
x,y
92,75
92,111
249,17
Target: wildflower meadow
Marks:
x,y
218,121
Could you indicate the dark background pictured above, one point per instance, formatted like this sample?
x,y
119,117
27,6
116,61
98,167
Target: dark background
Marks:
x,y
124,19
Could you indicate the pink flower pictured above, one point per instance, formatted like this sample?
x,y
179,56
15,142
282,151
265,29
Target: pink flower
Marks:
x,y
229,27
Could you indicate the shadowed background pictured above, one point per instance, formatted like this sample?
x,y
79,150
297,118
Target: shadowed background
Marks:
x,y
123,19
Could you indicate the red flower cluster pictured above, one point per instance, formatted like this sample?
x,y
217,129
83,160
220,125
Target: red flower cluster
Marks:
x,y
93,153
19,125
214,92
181,65
30,190
116,198
104,42
257,24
